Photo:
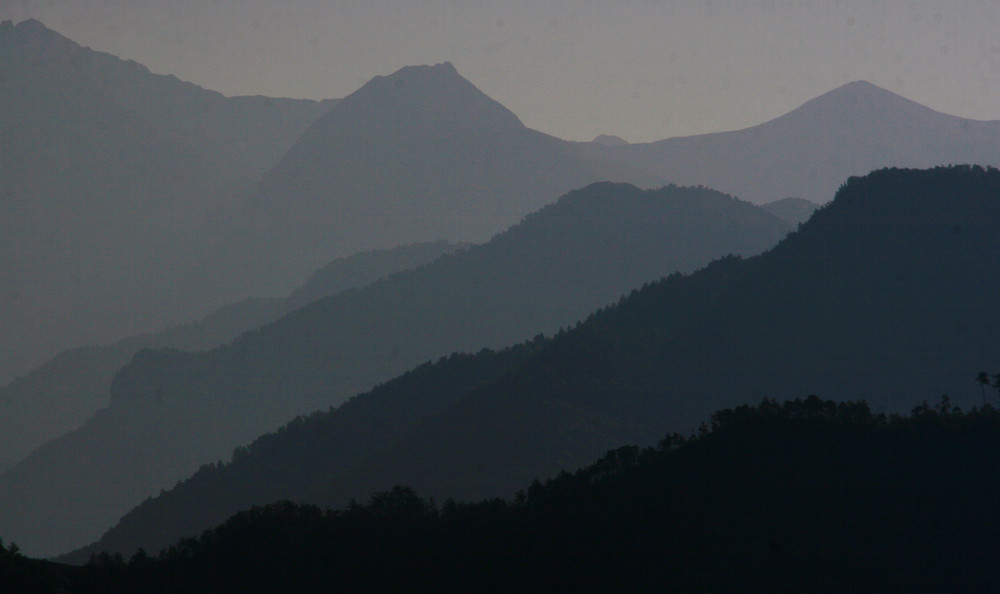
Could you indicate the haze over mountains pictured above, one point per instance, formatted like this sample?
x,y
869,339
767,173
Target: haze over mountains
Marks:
x,y
110,174
60,395
129,203
132,201
547,272
888,294
418,155
808,152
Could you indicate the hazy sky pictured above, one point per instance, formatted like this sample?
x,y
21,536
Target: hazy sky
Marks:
x,y
641,69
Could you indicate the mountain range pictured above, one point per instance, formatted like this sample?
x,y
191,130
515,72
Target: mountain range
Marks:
x,y
808,152
418,155
545,273
133,202
61,394
887,293
110,177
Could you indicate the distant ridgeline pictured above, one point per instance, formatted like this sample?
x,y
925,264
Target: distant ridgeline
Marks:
x,y
888,294
173,411
805,495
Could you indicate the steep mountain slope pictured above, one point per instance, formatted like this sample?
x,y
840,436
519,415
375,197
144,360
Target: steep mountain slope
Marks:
x,y
110,174
808,152
418,155
549,271
60,395
887,293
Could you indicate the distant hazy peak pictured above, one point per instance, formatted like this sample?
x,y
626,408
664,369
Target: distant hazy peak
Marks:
x,y
609,140
863,90
30,25
437,93
32,28
32,38
861,95
444,68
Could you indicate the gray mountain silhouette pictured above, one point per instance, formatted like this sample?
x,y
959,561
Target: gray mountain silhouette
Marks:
x,y
811,150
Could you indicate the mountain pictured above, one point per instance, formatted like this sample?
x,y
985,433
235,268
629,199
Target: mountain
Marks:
x,y
809,151
609,140
110,177
791,210
887,293
418,155
545,273
61,394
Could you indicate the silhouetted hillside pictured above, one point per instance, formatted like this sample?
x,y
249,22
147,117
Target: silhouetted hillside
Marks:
x,y
886,293
549,271
811,150
806,495
302,455
60,395
110,174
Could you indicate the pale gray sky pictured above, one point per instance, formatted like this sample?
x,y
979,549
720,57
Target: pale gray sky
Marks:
x,y
641,69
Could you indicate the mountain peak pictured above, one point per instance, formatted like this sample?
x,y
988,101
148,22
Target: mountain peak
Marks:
x,y
862,89
443,68
31,25
436,94
609,140
34,37
861,99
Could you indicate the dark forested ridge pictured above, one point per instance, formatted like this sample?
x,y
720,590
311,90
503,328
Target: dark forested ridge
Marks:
x,y
885,293
804,495
549,271
304,455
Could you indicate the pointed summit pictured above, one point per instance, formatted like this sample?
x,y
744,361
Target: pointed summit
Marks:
x,y
429,94
32,36
32,25
860,102
418,155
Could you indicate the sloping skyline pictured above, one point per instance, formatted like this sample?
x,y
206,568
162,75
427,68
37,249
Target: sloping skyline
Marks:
x,y
642,70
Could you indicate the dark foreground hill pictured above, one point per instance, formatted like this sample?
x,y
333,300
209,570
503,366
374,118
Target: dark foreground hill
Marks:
x,y
888,292
807,495
811,150
61,394
109,176
172,411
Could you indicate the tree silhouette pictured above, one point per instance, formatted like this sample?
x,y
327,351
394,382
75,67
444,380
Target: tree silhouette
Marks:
x,y
984,380
996,382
